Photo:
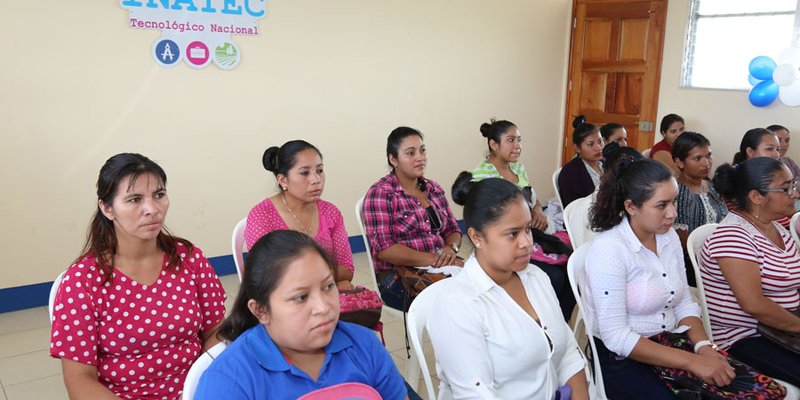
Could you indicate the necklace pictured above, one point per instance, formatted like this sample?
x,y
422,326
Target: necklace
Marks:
x,y
307,231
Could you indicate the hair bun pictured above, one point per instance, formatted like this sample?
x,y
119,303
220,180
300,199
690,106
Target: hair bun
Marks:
x,y
580,119
486,130
270,159
461,187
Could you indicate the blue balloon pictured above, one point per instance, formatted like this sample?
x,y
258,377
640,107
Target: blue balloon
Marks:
x,y
753,80
764,93
761,67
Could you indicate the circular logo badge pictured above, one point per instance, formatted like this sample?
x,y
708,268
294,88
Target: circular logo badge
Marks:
x,y
197,54
226,55
166,52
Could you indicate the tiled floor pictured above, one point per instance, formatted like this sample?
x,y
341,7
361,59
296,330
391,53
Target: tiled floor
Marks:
x,y
27,372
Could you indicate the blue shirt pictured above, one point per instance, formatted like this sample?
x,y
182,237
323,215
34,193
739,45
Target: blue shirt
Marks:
x,y
252,367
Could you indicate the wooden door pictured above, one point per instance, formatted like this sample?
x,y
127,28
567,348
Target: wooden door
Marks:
x,y
615,67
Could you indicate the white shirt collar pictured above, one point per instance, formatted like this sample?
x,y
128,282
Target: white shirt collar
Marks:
x,y
633,241
480,280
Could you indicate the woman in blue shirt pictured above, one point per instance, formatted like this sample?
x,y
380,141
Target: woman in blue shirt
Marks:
x,y
286,337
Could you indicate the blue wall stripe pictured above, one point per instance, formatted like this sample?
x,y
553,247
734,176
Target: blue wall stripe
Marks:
x,y
36,295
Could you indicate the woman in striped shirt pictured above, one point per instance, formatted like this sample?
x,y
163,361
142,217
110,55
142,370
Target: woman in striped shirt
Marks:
x,y
751,266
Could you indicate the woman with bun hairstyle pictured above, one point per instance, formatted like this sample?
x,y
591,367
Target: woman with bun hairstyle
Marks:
x,y
285,336
137,308
698,202
758,142
581,175
636,286
505,147
672,125
501,308
750,266
407,218
298,168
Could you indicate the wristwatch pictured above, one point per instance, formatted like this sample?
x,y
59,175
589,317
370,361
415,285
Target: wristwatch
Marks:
x,y
700,344
454,247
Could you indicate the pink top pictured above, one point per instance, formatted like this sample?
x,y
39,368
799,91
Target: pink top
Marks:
x,y
264,218
736,237
141,338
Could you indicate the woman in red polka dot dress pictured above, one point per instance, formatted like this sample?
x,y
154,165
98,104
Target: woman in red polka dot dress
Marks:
x,y
138,307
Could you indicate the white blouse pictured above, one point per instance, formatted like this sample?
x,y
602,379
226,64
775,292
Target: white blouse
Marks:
x,y
632,292
479,333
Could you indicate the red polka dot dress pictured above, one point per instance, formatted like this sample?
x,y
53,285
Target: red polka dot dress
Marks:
x,y
141,338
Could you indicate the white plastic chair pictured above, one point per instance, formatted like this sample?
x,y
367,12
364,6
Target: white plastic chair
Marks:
x,y
694,245
200,365
576,271
417,324
53,291
237,246
793,228
576,220
413,370
646,152
555,186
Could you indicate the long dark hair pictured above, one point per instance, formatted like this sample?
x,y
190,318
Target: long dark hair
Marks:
x,y
633,180
484,201
668,120
101,239
279,160
735,182
395,138
750,140
582,130
264,269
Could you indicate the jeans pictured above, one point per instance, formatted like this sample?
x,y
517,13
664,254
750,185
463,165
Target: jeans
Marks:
x,y
768,358
624,378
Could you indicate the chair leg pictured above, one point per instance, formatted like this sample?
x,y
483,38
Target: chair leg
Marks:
x,y
413,371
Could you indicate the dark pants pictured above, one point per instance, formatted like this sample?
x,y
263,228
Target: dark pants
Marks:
x,y
392,291
624,378
412,395
768,358
560,281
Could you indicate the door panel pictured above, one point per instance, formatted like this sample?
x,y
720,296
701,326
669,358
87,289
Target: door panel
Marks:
x,y
615,66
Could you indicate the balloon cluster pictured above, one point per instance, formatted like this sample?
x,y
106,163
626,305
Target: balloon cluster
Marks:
x,y
772,79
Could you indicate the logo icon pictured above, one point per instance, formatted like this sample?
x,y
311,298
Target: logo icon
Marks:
x,y
167,53
197,54
226,55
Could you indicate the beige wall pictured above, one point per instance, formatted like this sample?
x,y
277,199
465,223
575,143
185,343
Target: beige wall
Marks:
x,y
722,115
78,86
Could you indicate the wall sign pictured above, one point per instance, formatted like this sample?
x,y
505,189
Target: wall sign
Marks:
x,y
197,32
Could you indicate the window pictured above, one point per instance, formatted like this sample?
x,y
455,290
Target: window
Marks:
x,y
724,35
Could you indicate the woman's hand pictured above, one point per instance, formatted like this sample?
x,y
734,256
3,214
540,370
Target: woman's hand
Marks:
x,y
538,220
445,256
712,368
345,285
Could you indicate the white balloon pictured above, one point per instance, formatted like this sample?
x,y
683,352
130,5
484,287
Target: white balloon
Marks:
x,y
785,74
790,56
790,95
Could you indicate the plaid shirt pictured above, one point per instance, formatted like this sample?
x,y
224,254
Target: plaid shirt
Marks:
x,y
392,216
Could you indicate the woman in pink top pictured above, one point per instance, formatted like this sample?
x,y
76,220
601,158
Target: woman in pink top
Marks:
x,y
298,168
137,308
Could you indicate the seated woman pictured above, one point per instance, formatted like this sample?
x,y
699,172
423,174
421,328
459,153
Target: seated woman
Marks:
x,y
298,168
672,126
139,306
614,132
505,148
501,308
407,218
581,175
636,286
751,266
784,137
758,142
698,202
286,337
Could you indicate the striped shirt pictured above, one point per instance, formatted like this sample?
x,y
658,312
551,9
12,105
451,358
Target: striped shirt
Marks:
x,y
392,216
737,238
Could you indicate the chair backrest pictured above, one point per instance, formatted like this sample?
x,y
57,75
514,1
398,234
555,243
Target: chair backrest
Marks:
x,y
53,291
363,228
694,245
237,246
576,272
197,369
646,152
576,220
417,322
555,186
793,228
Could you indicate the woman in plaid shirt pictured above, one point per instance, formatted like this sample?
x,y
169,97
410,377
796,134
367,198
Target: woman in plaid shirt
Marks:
x,y
407,218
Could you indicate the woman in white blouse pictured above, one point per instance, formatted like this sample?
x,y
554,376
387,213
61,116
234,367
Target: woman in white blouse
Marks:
x,y
499,323
636,286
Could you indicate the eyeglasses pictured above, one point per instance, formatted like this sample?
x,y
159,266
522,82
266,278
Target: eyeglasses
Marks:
x,y
792,188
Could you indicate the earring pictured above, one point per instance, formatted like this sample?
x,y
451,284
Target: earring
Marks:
x,y
477,245
284,188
